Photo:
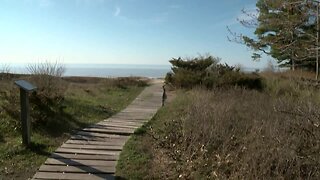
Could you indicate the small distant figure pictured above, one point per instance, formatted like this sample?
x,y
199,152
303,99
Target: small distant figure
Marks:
x,y
164,95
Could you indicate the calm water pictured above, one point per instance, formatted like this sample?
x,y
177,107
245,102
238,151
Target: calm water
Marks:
x,y
106,70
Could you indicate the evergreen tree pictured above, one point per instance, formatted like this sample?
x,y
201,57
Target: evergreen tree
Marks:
x,y
286,30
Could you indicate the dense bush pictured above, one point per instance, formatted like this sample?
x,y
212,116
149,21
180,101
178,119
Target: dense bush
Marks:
x,y
206,71
189,73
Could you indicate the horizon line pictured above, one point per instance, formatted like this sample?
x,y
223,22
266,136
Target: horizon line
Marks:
x,y
68,63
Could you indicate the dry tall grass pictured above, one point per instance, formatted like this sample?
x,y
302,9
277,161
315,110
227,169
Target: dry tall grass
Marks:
x,y
242,134
5,72
47,77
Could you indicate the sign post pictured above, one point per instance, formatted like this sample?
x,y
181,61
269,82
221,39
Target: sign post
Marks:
x,y
25,88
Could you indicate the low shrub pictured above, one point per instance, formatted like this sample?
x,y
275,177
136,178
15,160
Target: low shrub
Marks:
x,y
51,88
5,72
48,79
45,102
187,73
251,81
124,82
206,71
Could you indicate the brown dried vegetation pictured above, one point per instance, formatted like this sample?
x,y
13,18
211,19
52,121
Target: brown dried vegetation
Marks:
x,y
234,133
245,134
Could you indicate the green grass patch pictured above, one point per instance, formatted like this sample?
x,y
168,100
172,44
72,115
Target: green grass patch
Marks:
x,y
134,160
139,154
84,103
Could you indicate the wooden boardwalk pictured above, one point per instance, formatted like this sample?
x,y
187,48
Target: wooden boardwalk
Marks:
x,y
92,153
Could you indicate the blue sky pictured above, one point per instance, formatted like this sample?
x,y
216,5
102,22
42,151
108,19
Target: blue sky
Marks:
x,y
120,31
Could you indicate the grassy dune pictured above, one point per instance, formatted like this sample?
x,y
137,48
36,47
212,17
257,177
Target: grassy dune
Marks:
x,y
86,101
231,133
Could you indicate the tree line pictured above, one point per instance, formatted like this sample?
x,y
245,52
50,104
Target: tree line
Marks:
x,y
287,30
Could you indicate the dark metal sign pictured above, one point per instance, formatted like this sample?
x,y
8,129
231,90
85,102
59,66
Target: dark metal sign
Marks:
x,y
25,88
25,85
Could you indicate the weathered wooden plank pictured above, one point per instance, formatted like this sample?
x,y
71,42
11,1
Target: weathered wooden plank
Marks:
x,y
84,156
135,108
78,162
133,114
140,110
128,124
102,143
108,128
89,138
102,135
93,147
152,101
135,111
131,117
113,125
107,131
94,138
73,176
132,121
77,169
135,125
127,117
145,105
87,151
124,125
123,120
141,106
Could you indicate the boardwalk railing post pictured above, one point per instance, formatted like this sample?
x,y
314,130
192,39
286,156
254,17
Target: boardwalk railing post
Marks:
x,y
25,88
25,117
164,95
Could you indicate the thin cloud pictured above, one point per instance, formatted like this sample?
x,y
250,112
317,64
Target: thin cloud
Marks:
x,y
160,18
45,3
175,6
117,12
